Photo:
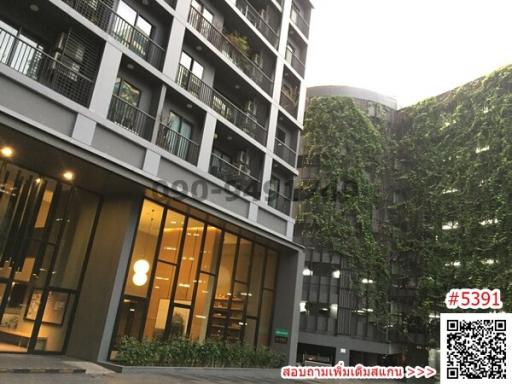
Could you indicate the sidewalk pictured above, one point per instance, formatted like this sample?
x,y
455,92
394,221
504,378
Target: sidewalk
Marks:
x,y
24,363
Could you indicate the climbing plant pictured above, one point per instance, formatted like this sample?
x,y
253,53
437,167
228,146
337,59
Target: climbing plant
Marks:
x,y
340,190
452,168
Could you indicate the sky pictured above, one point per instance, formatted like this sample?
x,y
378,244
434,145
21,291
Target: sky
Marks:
x,y
408,49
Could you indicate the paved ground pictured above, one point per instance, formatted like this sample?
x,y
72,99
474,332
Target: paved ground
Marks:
x,y
152,379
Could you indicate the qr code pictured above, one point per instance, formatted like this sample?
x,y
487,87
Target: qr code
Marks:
x,y
474,347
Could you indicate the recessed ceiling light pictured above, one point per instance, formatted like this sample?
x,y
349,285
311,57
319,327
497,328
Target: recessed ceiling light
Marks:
x,y
237,86
7,152
130,66
68,175
230,137
34,7
189,106
216,135
199,48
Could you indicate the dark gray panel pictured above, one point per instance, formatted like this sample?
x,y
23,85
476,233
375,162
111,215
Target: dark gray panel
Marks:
x,y
272,222
121,148
23,100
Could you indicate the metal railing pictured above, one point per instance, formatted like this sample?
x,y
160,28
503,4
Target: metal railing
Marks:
x,y
300,22
297,64
235,176
255,19
229,50
177,144
288,104
285,152
131,118
41,67
108,20
280,202
221,105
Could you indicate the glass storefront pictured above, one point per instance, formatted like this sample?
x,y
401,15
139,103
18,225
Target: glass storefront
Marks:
x,y
45,231
190,278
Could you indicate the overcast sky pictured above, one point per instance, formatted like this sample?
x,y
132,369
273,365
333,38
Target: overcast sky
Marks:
x,y
409,49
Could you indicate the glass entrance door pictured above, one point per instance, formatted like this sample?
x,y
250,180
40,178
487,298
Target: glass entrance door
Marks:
x,y
45,230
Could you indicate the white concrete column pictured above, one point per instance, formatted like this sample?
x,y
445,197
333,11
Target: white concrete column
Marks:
x,y
105,80
265,178
205,151
175,45
84,129
158,116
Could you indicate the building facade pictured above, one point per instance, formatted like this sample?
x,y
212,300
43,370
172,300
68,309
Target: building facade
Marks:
x,y
148,156
336,323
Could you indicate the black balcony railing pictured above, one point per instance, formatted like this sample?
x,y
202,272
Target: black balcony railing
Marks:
x,y
255,19
107,19
297,64
301,23
177,144
285,152
288,104
279,202
131,118
236,176
41,67
229,50
221,105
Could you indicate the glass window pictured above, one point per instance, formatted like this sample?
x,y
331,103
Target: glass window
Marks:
x,y
171,238
211,250
290,52
144,250
202,307
243,261
258,260
158,309
178,144
127,92
295,13
75,239
179,322
250,331
265,325
192,65
189,262
127,12
270,271
199,6
144,26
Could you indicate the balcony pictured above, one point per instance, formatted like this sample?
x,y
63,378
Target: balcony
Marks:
x,y
285,152
131,118
221,105
108,20
300,22
255,19
279,202
177,144
229,50
41,67
234,175
297,64
289,104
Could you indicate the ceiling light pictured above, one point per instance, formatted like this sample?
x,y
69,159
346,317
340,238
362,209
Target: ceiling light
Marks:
x,y
68,175
130,66
34,7
7,152
199,48
189,106
237,86
230,137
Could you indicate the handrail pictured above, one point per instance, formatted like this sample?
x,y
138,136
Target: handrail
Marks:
x,y
108,20
229,50
254,18
285,152
41,67
235,176
297,64
221,104
177,144
131,117
288,104
279,201
302,24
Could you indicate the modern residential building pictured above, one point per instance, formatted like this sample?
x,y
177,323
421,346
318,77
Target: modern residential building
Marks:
x,y
335,324
148,151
